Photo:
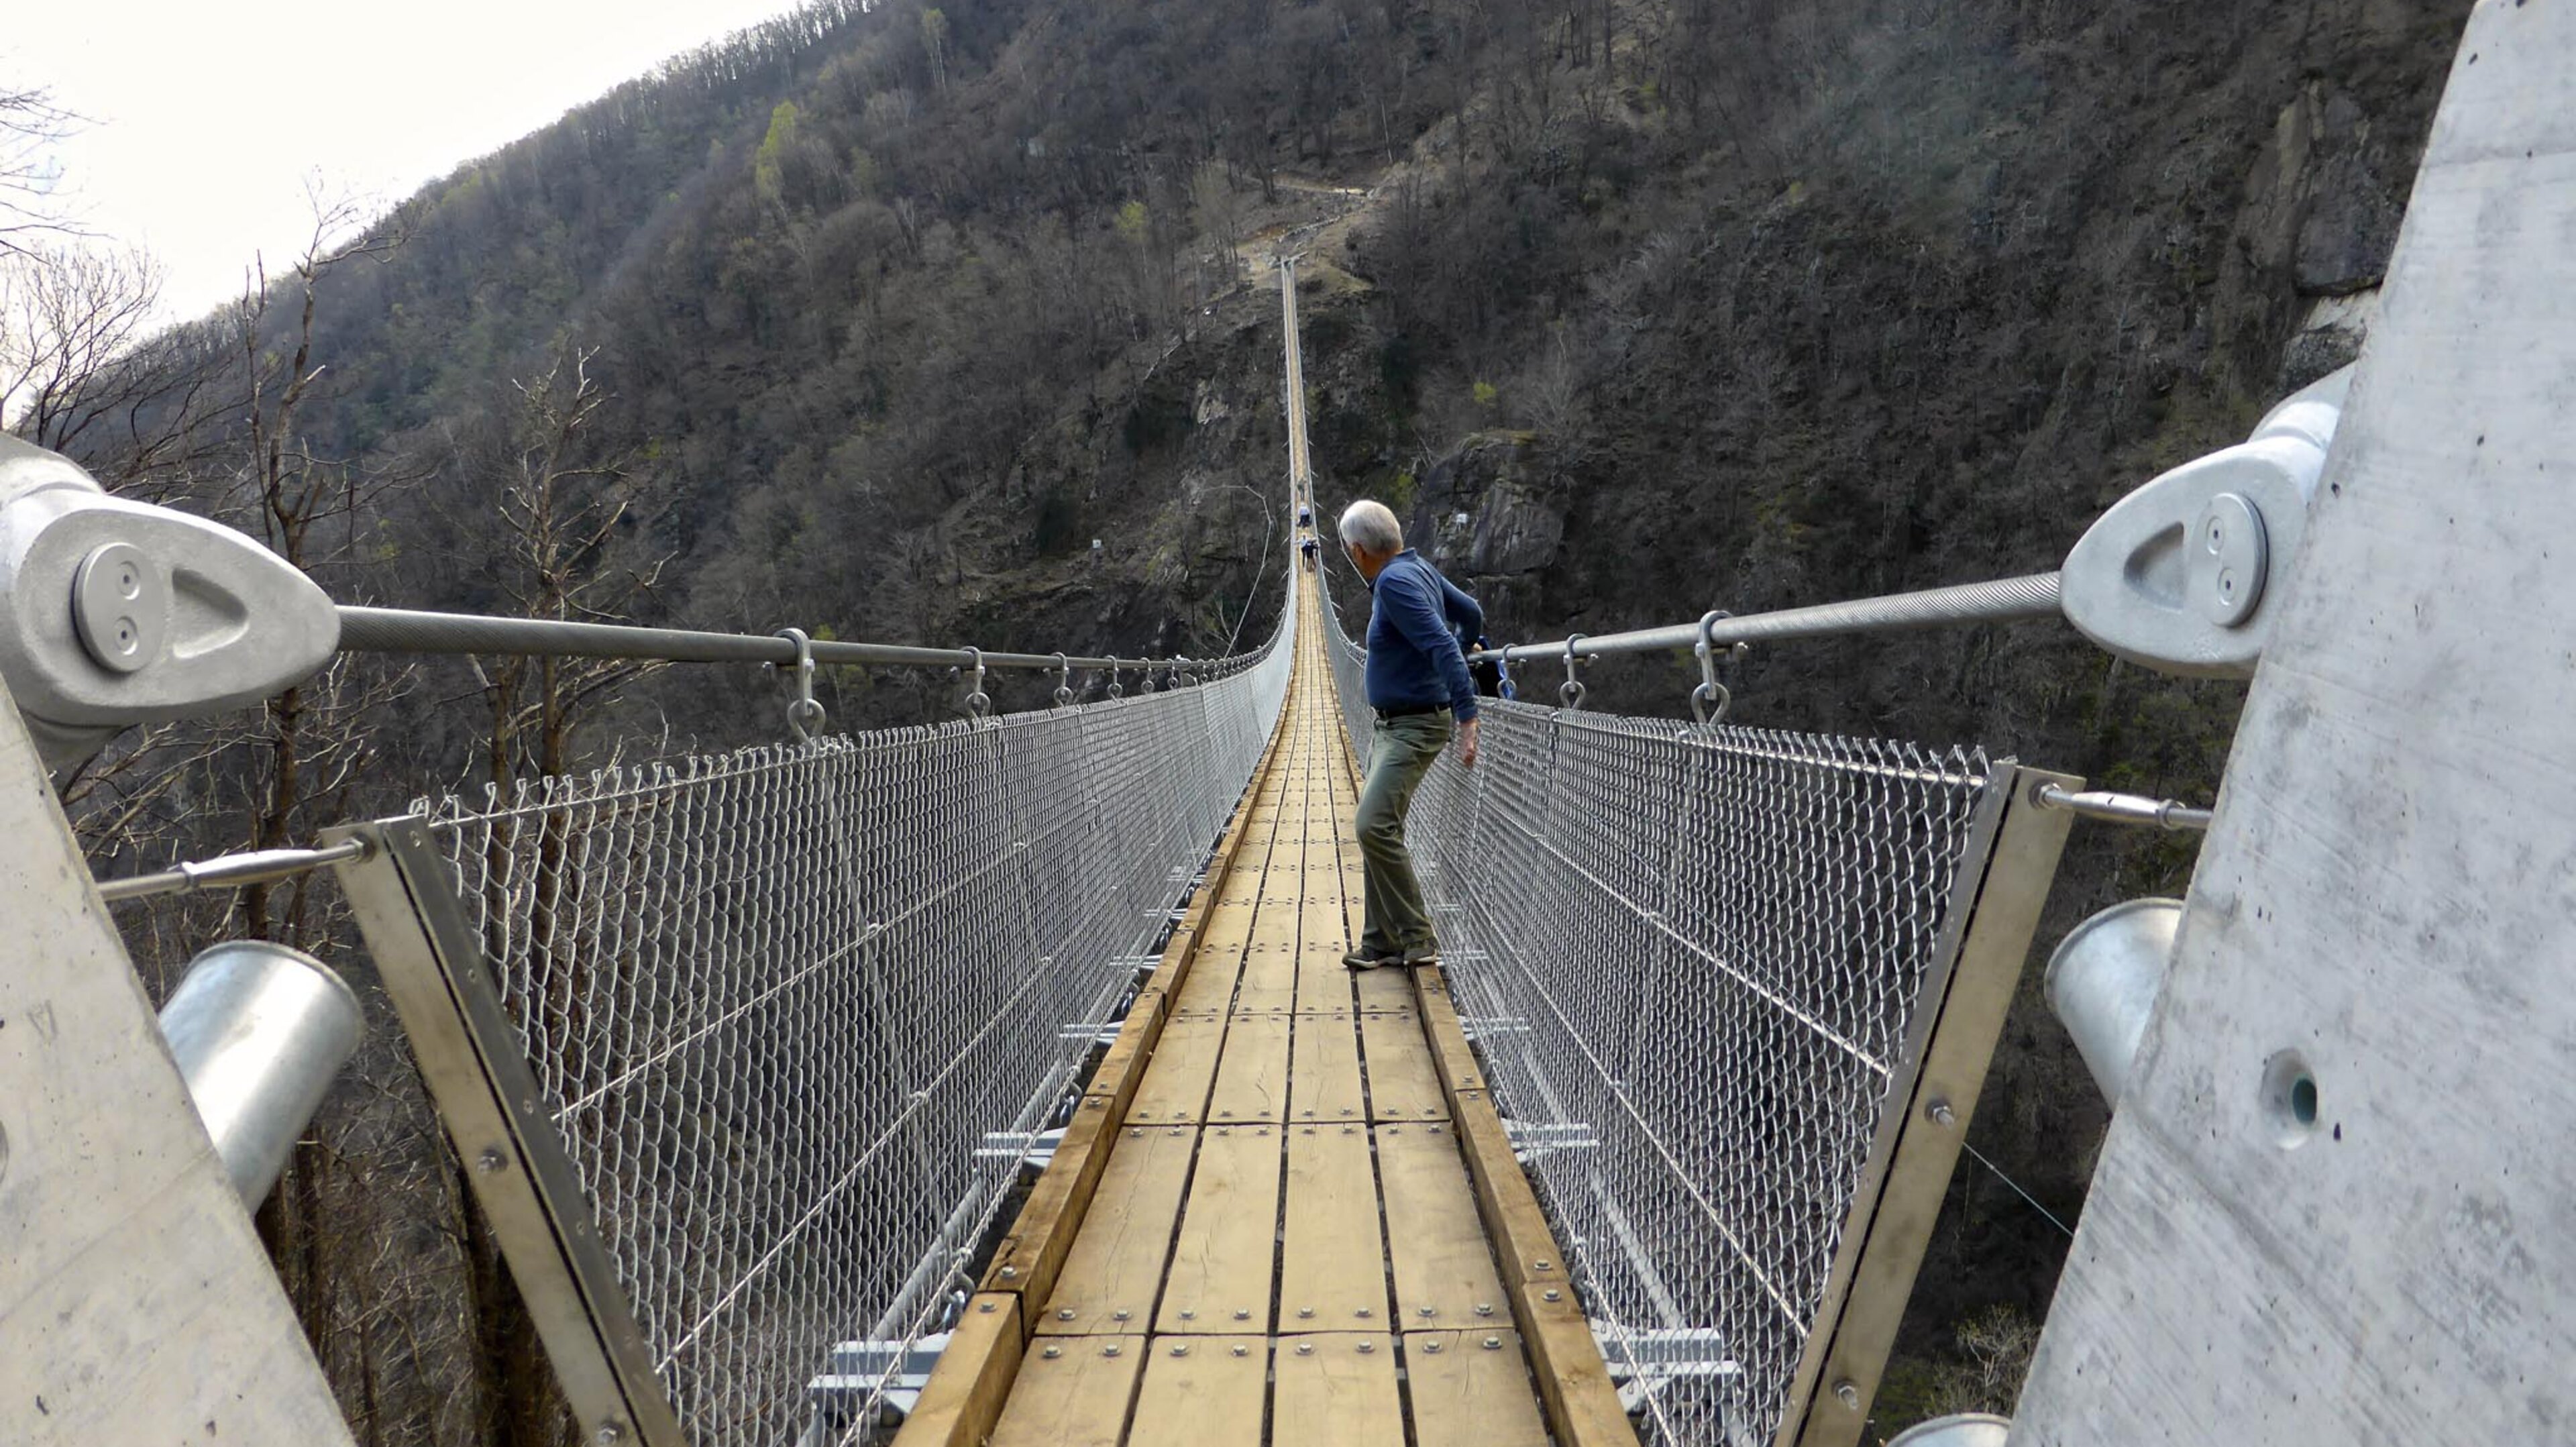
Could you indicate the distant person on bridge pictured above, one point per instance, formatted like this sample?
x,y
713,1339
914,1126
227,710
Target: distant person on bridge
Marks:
x,y
1417,681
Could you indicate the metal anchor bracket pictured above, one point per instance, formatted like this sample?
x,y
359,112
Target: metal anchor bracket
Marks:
x,y
2177,574
114,612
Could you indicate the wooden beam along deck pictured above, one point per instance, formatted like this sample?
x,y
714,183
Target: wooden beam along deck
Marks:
x,y
1274,1217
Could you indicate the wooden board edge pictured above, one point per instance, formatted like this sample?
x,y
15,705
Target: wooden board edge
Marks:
x,y
1573,1381
965,1393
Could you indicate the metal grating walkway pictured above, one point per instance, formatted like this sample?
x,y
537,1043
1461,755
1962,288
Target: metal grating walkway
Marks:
x,y
1280,1239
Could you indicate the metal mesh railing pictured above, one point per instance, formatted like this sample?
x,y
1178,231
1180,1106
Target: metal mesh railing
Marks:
x,y
797,1010
1692,960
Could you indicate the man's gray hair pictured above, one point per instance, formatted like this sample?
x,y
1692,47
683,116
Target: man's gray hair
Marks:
x,y
1371,526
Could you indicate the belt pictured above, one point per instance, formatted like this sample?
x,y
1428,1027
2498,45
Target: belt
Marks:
x,y
1407,710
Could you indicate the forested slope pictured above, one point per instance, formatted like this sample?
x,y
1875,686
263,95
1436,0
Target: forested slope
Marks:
x,y
1633,307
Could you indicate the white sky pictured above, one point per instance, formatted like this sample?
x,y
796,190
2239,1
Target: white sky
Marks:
x,y
207,120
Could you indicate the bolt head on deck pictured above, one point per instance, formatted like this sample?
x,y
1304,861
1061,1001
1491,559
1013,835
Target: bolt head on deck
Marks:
x,y
1493,1343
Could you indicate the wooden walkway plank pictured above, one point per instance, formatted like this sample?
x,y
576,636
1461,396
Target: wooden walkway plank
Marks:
x,y
1203,1392
1223,1259
1072,1392
1324,1071
1252,1073
1270,964
1115,1271
1175,1088
1402,1082
1332,1270
1471,1389
1337,1387
1444,1272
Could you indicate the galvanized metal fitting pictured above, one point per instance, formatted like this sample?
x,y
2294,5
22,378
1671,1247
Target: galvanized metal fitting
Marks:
x,y
804,713
1709,700
1570,693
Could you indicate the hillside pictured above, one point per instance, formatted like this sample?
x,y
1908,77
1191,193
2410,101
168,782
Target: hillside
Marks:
x,y
1633,308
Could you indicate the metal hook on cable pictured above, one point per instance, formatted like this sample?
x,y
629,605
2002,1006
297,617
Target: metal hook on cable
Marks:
x,y
1115,689
1709,700
1063,681
804,712
979,704
1570,693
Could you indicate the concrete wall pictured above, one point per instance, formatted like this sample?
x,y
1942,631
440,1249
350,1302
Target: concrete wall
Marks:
x,y
136,1305
2387,904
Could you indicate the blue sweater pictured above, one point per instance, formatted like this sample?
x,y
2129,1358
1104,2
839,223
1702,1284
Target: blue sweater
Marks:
x,y
1413,656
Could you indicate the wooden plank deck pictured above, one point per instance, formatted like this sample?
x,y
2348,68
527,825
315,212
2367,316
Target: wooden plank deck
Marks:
x,y
1289,1239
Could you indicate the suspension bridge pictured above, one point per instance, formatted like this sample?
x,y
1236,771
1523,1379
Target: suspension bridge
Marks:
x,y
999,1081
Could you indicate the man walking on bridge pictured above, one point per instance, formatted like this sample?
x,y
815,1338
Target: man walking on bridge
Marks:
x,y
1417,681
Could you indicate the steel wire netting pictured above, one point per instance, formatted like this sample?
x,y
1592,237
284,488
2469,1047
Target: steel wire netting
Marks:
x,y
798,1011
1692,960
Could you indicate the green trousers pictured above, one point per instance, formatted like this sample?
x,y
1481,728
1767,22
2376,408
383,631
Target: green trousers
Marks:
x,y
1397,921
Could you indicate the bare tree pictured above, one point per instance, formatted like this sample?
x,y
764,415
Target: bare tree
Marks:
x,y
565,508
30,126
84,372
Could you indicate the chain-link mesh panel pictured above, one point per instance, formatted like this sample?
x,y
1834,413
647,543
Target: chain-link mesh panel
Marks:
x,y
794,1010
1691,959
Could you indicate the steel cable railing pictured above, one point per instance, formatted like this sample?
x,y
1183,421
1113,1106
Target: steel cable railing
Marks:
x,y
1692,959
781,1005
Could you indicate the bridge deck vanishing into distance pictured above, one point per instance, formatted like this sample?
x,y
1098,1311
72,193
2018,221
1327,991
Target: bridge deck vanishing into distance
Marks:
x,y
1269,1220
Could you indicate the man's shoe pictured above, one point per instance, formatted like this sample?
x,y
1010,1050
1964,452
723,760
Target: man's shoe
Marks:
x,y
1422,955
1364,960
